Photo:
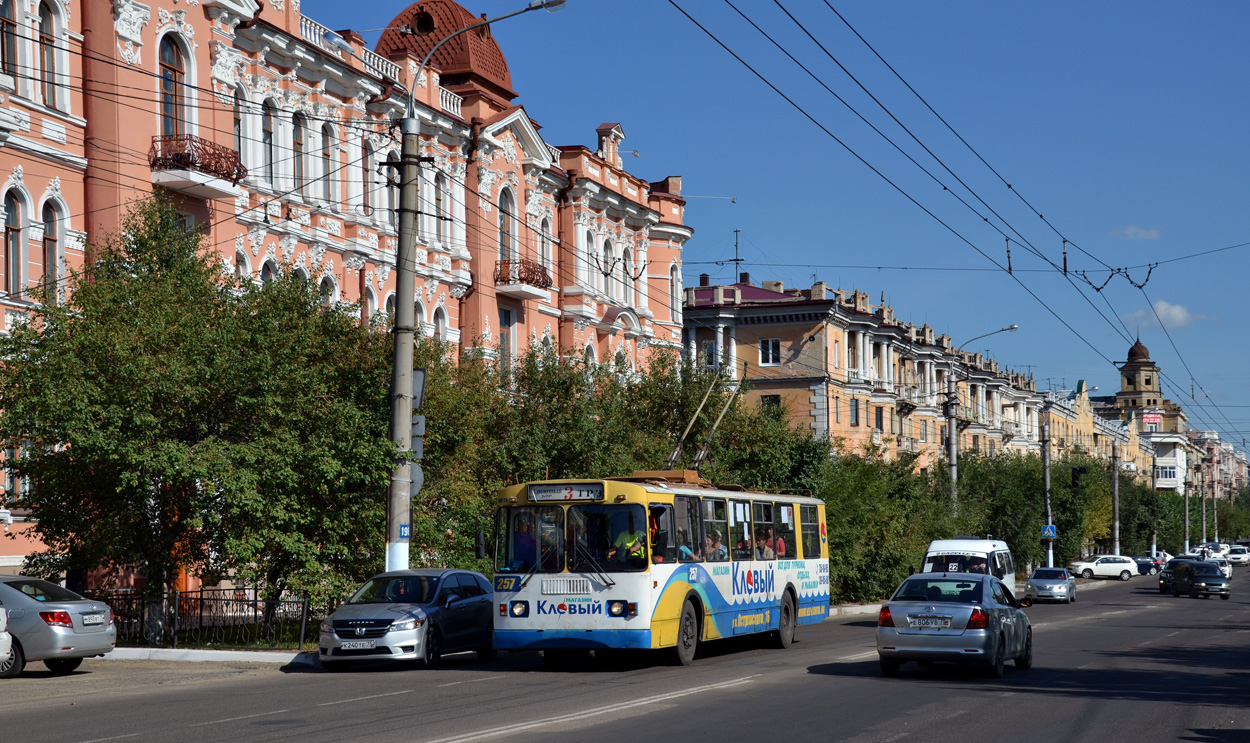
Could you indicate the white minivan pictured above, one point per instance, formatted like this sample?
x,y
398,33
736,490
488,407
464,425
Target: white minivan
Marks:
x,y
972,555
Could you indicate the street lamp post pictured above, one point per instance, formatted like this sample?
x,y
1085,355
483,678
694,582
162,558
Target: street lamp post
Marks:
x,y
952,406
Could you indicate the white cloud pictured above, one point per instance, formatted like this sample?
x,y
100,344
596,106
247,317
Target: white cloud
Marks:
x,y
1133,232
1172,315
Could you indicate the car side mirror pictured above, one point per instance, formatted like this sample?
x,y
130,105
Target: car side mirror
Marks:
x,y
450,599
480,540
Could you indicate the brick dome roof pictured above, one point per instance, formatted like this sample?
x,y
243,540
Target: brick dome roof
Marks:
x,y
472,56
1138,352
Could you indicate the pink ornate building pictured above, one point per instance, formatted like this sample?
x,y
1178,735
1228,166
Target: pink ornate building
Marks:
x,y
273,142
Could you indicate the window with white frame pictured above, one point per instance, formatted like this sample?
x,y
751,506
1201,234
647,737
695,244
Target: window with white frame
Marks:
x,y
442,202
47,56
298,130
13,244
173,72
327,164
627,277
51,251
606,270
674,294
327,292
506,230
366,177
8,37
268,143
545,245
770,351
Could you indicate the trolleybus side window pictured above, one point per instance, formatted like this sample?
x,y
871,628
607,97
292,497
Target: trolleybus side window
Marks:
x,y
783,531
686,538
810,531
763,534
660,527
715,530
741,540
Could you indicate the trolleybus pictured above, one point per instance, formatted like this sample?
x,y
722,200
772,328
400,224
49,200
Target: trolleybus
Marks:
x,y
656,560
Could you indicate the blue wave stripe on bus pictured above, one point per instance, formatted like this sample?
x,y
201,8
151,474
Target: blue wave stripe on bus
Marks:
x,y
572,639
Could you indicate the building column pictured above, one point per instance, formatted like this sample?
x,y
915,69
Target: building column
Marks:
x,y
720,345
733,352
694,347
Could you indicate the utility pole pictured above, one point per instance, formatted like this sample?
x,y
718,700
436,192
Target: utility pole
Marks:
x,y
1050,519
1115,497
952,442
1215,502
399,500
1188,484
1202,498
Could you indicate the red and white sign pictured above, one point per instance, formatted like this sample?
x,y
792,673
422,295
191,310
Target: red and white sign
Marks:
x,y
1155,418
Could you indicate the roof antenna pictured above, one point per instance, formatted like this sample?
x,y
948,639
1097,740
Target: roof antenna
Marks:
x,y
737,261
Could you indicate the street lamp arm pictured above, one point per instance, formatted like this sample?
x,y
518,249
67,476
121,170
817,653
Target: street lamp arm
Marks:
x,y
1008,329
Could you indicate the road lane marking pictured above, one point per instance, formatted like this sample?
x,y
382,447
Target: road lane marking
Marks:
x,y
361,699
891,739
234,719
857,656
113,737
471,681
1113,613
595,712
1174,634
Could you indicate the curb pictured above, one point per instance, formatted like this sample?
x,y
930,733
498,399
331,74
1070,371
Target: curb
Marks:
x,y
848,610
202,656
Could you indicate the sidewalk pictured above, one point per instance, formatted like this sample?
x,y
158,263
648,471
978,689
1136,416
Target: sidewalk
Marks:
x,y
309,658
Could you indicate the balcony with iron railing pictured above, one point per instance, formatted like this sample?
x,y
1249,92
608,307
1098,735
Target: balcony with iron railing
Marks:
x,y
195,166
523,279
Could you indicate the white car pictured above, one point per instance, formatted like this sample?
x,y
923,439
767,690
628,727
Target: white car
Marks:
x,y
6,640
1238,555
1225,567
1105,566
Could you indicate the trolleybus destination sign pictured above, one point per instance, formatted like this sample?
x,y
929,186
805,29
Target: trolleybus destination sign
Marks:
x,y
567,491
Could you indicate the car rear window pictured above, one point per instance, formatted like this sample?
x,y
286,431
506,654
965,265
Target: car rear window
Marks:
x,y
42,590
939,589
1046,574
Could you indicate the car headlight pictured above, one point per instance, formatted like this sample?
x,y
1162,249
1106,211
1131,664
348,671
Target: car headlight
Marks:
x,y
1202,585
1029,586
404,625
327,626
520,609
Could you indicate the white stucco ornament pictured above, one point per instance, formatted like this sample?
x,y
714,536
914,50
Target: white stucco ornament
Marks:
x,y
129,18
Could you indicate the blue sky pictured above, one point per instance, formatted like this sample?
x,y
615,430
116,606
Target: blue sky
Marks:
x,y
1122,123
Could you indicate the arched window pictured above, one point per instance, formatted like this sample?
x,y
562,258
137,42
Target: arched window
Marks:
x,y
266,272
390,306
325,291
418,313
371,303
49,250
12,244
366,177
440,209
173,79
269,147
238,124
627,278
674,294
544,245
587,263
327,174
8,37
505,224
240,265
392,187
47,56
605,272
297,151
440,325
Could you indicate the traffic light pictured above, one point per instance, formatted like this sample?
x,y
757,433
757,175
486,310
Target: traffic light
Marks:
x,y
1076,476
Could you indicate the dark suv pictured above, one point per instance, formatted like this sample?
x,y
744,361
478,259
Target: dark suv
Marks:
x,y
1165,575
1199,579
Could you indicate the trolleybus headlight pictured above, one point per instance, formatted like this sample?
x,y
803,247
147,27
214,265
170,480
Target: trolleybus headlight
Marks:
x,y
616,608
520,608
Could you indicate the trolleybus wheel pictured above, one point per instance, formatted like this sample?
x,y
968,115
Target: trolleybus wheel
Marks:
x,y
687,636
785,631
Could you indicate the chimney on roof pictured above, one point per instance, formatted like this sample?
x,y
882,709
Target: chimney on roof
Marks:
x,y
745,278
775,286
819,290
705,280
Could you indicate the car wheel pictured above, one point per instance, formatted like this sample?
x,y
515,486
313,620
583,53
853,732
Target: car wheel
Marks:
x,y
1154,571
1072,600
999,665
1025,661
890,668
1087,573
687,636
785,631
62,666
1125,575
14,665
433,649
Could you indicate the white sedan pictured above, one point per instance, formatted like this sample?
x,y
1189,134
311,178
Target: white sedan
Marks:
x,y
1105,566
1238,555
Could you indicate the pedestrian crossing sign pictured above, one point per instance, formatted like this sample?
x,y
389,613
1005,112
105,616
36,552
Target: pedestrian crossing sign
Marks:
x,y
1048,532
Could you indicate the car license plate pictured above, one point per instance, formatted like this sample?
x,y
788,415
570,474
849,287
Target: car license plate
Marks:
x,y
940,622
358,644
92,619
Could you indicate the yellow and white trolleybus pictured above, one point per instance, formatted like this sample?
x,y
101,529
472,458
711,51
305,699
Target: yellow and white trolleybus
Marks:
x,y
657,560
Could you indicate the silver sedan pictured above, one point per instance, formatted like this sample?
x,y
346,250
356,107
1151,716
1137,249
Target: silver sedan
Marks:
x,y
1050,584
953,617
52,624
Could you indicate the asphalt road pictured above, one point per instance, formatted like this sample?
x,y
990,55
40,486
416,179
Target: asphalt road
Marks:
x,y
1122,664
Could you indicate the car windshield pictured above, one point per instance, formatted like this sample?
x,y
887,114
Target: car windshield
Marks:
x,y
42,590
954,563
402,589
1206,570
1049,574
939,589
530,538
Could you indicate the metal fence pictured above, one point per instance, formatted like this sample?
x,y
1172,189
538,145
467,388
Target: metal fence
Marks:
x,y
224,618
